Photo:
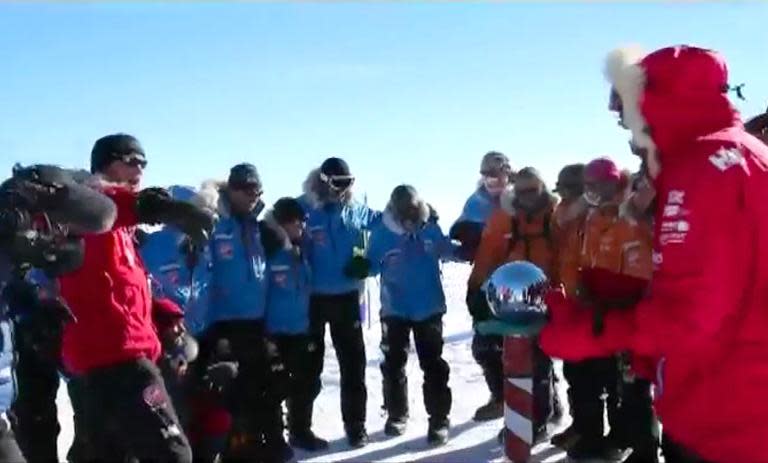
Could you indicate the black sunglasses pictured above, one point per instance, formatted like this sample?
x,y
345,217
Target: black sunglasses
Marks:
x,y
133,160
248,187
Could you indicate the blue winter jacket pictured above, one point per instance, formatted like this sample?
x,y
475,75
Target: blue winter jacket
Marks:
x,y
177,277
478,207
288,290
7,352
334,230
238,285
409,264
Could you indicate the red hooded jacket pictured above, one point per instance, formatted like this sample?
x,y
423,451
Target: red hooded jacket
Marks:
x,y
705,318
110,297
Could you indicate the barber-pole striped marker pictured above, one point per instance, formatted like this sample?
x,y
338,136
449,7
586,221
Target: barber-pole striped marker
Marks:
x,y
518,398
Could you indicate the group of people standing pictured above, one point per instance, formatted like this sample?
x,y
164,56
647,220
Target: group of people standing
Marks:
x,y
189,340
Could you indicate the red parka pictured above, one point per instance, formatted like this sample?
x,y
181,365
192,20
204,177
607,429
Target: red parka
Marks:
x,y
705,318
110,297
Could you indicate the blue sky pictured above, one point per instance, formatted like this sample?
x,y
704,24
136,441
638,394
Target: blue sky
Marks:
x,y
407,93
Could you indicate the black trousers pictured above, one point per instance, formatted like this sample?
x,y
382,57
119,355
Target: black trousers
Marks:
x,y
342,313
78,451
395,342
9,449
303,381
635,425
487,351
589,382
256,394
674,453
37,422
128,413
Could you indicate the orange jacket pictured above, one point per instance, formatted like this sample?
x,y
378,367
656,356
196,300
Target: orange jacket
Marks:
x,y
534,241
609,239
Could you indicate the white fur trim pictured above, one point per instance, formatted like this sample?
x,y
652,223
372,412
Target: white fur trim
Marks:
x,y
507,201
209,197
624,72
393,223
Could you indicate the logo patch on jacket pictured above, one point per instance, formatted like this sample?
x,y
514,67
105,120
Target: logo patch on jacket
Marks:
x,y
280,279
155,396
225,249
726,158
318,236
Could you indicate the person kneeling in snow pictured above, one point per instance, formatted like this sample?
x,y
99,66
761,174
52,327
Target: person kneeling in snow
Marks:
x,y
702,323
406,248
287,317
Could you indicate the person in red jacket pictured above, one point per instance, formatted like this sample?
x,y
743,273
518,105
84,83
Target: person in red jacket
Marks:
x,y
702,322
113,345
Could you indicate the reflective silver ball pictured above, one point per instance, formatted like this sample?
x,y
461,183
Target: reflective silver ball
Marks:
x,y
515,293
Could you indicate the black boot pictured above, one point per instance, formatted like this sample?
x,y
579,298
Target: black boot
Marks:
x,y
357,436
437,434
494,409
395,426
307,440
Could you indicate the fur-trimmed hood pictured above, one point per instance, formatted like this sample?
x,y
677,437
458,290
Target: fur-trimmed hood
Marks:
x,y
687,99
394,223
507,201
210,198
312,188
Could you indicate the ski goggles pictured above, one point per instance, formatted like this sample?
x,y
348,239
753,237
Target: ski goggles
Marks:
x,y
338,182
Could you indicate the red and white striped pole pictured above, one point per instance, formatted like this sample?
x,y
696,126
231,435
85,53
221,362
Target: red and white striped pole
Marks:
x,y
518,397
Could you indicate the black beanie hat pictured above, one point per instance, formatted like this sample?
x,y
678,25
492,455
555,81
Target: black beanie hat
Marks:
x,y
244,174
335,167
286,210
112,148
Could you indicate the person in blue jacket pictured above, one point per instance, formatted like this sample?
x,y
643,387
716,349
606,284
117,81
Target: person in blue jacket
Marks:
x,y
497,176
178,270
406,249
9,449
287,317
335,239
237,298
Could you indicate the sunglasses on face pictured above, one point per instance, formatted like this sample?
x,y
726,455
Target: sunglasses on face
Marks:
x,y
249,188
338,182
133,160
526,191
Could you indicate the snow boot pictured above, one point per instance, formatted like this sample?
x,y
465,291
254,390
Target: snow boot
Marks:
x,y
357,437
308,440
494,409
395,426
277,450
437,434
565,439
595,449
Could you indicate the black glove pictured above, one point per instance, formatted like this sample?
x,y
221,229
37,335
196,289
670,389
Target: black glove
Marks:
x,y
220,375
357,268
478,306
155,206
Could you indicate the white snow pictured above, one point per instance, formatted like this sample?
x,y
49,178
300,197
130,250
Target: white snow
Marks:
x,y
470,441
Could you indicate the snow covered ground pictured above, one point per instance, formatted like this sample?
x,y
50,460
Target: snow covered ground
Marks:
x,y
470,441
